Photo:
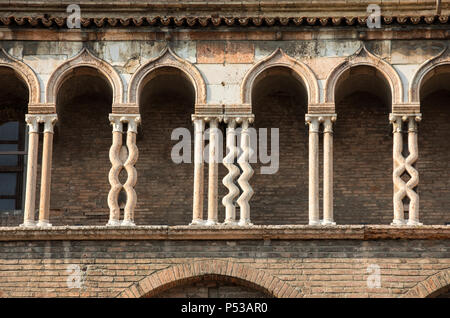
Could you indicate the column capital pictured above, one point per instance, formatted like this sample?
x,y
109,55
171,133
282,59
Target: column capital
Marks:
x,y
49,121
244,119
404,117
207,117
32,122
117,120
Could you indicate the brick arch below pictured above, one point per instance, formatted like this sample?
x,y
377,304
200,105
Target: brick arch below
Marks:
x,y
432,286
181,274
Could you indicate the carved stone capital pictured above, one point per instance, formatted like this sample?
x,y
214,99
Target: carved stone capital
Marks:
x,y
32,122
397,119
117,120
49,122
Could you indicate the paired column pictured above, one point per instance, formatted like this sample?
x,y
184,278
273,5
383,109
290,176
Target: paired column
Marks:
x,y
123,157
405,164
315,121
229,162
33,143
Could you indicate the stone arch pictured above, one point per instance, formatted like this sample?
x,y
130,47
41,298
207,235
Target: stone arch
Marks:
x,y
167,59
428,66
431,286
84,59
279,58
175,275
364,57
25,73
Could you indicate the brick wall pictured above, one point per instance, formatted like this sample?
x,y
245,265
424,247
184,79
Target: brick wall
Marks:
x,y
320,268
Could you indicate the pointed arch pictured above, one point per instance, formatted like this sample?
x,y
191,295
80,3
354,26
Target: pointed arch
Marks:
x,y
431,286
167,58
279,58
175,275
443,58
364,57
25,73
84,59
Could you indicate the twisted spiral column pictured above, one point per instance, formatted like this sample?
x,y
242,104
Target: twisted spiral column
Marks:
x,y
30,194
399,169
116,167
133,154
44,202
247,172
199,145
314,124
233,172
409,165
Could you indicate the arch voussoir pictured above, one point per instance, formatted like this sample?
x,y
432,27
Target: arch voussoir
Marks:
x,y
180,274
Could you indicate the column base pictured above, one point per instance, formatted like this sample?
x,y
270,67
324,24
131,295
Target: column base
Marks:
x,y
315,222
414,223
398,222
197,222
245,223
127,223
28,224
230,222
328,222
113,223
211,222
43,223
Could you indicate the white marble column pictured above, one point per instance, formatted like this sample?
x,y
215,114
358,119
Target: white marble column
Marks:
x,y
118,163
247,171
404,165
233,172
314,124
32,157
199,145
213,171
328,169
44,202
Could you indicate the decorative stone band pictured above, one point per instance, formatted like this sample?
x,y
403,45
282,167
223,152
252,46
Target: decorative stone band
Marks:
x,y
320,109
41,108
314,121
118,162
403,166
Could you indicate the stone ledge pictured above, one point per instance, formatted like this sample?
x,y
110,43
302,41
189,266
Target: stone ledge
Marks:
x,y
221,232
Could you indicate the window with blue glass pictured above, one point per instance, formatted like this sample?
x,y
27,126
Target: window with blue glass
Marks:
x,y
12,165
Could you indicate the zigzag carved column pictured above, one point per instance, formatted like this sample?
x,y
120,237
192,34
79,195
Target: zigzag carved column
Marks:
x,y
30,195
247,171
404,165
233,172
199,145
44,202
133,153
